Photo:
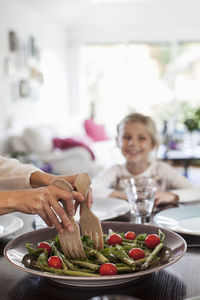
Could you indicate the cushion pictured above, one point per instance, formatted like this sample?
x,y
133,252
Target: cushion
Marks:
x,y
96,131
17,144
70,143
37,140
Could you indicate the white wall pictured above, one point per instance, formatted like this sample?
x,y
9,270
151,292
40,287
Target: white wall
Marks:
x,y
51,37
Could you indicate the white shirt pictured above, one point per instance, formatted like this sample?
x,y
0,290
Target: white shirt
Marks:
x,y
165,176
15,175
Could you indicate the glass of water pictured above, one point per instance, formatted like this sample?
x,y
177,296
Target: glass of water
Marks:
x,y
141,195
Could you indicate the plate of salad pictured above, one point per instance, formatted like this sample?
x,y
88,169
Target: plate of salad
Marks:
x,y
130,251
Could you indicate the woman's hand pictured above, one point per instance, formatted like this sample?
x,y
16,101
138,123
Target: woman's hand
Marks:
x,y
165,198
40,179
44,202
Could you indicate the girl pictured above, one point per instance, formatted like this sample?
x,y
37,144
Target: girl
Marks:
x,y
137,138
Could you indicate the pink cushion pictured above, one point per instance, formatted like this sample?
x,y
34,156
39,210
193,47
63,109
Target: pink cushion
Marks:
x,y
70,143
95,131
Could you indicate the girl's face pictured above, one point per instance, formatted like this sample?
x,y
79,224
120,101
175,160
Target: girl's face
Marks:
x,y
134,142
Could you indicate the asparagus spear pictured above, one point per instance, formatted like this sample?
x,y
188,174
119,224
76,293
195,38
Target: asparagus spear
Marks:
x,y
121,254
57,253
152,256
43,258
85,264
124,269
116,254
121,267
65,272
132,245
100,258
67,262
32,251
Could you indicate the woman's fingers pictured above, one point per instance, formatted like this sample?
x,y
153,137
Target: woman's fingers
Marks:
x,y
52,212
70,179
71,207
53,217
44,217
56,208
67,198
59,194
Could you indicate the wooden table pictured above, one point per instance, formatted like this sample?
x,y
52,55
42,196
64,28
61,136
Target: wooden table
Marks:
x,y
179,281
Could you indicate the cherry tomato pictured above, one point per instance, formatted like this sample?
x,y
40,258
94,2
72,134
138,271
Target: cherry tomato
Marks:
x,y
114,239
55,262
136,253
152,240
108,269
45,246
130,235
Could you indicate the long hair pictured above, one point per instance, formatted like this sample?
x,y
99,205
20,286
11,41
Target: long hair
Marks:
x,y
145,120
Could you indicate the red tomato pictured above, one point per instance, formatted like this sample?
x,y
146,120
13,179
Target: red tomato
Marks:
x,y
152,240
45,246
55,262
114,239
136,253
130,235
108,269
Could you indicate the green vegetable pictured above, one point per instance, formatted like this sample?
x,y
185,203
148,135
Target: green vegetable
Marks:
x,y
57,253
117,254
152,256
34,252
43,258
85,264
66,272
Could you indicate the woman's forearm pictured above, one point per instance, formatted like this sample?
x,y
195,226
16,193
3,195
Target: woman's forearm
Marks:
x,y
10,201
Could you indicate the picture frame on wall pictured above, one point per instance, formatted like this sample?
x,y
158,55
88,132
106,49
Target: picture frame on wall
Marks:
x,y
13,41
9,66
24,89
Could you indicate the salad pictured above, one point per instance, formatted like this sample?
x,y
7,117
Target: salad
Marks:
x,y
122,253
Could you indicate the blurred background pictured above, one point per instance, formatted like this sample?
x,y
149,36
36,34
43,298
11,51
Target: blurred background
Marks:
x,y
71,69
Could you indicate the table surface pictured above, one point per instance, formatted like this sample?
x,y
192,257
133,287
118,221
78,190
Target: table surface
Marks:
x,y
179,281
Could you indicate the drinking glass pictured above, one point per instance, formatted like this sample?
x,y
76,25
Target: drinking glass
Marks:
x,y
141,195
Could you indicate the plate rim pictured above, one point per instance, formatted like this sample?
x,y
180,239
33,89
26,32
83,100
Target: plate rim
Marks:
x,y
16,228
116,214
65,279
168,226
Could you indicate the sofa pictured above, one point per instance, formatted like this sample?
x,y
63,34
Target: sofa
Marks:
x,y
60,151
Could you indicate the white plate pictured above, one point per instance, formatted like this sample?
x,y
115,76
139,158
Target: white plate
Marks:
x,y
109,208
9,224
184,220
15,250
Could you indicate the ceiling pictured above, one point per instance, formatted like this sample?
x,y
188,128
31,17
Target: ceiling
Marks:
x,y
72,13
85,20
66,12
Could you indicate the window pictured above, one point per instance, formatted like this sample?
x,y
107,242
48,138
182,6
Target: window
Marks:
x,y
117,79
